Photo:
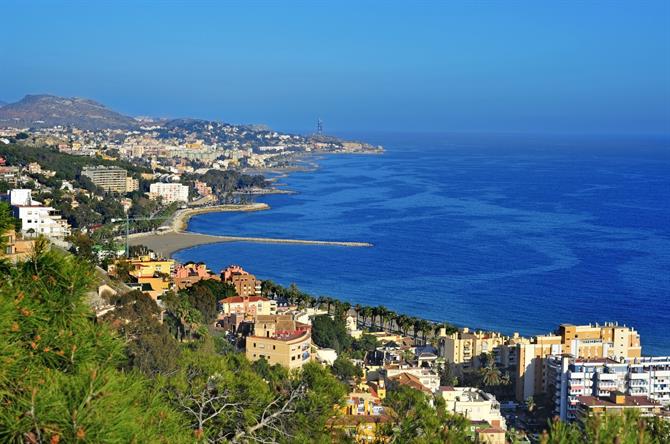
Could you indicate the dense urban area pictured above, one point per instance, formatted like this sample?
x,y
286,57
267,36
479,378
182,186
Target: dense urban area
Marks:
x,y
109,341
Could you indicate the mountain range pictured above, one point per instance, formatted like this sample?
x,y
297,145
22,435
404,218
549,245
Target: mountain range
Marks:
x,y
43,110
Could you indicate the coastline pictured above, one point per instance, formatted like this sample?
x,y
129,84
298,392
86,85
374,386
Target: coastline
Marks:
x,y
173,236
179,221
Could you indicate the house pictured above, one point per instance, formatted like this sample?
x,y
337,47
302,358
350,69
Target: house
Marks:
x,y
474,404
16,249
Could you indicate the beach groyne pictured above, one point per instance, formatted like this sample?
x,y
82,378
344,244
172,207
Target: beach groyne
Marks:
x,y
173,237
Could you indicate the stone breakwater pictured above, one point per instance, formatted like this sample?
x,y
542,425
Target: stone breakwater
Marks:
x,y
172,237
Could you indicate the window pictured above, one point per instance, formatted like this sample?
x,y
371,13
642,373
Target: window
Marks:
x,y
274,347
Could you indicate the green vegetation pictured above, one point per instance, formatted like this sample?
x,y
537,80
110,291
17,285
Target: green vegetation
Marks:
x,y
330,333
62,377
414,420
627,428
66,166
224,182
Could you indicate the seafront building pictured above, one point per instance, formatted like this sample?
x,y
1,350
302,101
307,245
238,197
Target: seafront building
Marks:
x,y
583,341
569,378
465,348
112,179
280,340
190,273
246,284
168,192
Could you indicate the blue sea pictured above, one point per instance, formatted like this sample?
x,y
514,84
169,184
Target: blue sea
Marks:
x,y
502,232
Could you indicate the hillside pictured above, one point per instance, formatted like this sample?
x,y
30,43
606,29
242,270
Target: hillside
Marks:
x,y
47,111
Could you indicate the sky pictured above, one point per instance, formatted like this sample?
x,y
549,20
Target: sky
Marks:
x,y
506,66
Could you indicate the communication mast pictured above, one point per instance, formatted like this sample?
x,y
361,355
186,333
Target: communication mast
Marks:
x,y
319,126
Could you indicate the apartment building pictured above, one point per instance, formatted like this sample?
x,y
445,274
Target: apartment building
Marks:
x,y
568,378
650,376
616,403
188,274
169,192
246,284
280,340
37,219
466,347
248,306
132,184
108,178
584,341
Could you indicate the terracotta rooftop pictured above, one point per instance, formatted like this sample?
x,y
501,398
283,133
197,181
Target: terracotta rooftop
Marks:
x,y
410,381
628,401
240,299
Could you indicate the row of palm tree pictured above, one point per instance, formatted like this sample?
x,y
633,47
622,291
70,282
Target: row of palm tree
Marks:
x,y
379,317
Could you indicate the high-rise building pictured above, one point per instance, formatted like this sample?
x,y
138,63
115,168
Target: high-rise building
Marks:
x,y
169,192
570,379
582,341
107,178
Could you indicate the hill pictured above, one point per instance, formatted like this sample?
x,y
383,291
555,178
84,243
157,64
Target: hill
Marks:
x,y
46,111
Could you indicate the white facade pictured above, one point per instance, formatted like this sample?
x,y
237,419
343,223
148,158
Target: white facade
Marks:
x,y
568,378
650,377
41,220
20,197
170,192
474,404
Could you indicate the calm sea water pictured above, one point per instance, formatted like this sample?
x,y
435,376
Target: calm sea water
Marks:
x,y
498,232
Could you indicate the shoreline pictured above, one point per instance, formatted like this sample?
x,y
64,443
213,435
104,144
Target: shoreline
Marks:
x,y
179,221
174,237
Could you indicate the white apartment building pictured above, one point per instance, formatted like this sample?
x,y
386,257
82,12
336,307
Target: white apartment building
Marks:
x,y
170,192
474,404
37,219
650,376
568,378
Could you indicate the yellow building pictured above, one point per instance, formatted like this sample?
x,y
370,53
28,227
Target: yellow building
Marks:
x,y
466,347
280,340
16,249
360,428
145,266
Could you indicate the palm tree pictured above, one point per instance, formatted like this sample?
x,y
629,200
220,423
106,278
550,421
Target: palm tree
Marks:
x,y
342,309
403,322
530,404
426,327
366,313
388,318
491,376
358,309
382,312
375,312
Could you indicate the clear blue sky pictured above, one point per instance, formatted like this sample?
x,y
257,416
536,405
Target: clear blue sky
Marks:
x,y
505,66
